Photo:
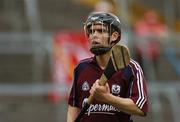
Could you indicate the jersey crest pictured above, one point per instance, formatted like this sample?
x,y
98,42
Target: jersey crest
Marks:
x,y
85,86
116,89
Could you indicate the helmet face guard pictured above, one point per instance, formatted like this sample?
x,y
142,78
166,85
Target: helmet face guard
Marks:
x,y
103,18
98,47
89,29
109,24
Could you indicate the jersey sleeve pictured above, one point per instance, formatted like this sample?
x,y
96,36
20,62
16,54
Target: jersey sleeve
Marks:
x,y
139,89
73,97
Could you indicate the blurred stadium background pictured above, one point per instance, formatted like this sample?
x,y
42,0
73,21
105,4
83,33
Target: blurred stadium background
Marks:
x,y
42,40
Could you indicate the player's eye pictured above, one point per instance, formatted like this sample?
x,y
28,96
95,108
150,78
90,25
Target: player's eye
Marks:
x,y
101,30
91,31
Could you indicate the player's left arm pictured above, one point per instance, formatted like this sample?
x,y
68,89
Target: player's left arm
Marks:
x,y
72,113
135,104
127,105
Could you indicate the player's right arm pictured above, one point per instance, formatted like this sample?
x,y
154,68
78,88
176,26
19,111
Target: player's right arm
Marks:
x,y
73,101
72,113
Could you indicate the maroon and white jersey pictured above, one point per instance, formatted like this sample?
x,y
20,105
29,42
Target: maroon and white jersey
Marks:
x,y
127,83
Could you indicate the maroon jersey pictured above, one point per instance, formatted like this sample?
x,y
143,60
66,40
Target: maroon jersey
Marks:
x,y
127,83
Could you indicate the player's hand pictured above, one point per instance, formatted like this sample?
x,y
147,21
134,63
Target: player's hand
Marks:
x,y
100,93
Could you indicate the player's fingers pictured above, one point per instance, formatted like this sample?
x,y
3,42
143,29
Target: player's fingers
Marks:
x,y
107,87
91,91
97,82
93,88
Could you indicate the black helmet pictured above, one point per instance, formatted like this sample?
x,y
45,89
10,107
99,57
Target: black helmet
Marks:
x,y
113,23
103,17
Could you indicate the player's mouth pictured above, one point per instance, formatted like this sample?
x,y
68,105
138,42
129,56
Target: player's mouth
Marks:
x,y
96,44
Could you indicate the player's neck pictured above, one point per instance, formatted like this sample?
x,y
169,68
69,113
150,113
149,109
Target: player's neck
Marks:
x,y
102,60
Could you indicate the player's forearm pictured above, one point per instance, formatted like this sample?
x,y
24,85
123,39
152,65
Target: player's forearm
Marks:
x,y
72,113
124,104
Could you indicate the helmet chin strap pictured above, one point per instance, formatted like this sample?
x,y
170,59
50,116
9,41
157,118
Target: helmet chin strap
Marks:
x,y
100,50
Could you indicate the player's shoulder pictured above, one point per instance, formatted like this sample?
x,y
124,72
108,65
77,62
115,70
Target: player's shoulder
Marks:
x,y
84,62
134,65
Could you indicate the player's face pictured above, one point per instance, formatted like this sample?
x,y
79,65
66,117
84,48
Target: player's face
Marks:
x,y
98,35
